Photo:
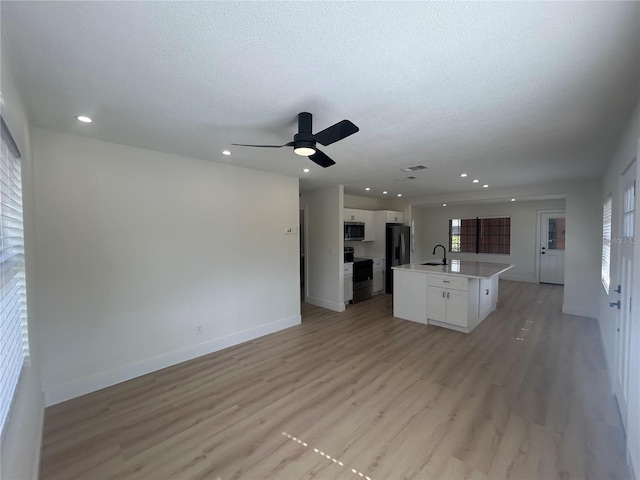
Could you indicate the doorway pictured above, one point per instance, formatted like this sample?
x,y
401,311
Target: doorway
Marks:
x,y
551,241
624,290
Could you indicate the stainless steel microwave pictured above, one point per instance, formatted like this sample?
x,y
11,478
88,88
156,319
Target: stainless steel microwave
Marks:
x,y
353,231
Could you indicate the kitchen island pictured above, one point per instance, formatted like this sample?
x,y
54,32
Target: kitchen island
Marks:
x,y
457,296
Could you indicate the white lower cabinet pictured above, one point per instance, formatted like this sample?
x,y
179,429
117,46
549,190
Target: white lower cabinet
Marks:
x,y
447,297
409,299
378,275
488,301
448,306
450,300
348,282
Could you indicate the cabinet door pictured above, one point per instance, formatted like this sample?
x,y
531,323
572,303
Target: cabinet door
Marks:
x,y
486,298
349,215
366,216
457,307
378,281
437,303
394,217
348,288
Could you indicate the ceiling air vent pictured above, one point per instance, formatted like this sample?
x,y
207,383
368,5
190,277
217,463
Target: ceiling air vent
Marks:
x,y
404,179
414,168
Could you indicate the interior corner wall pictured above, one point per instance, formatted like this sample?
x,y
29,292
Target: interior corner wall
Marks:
x,y
583,253
324,277
524,219
136,249
21,440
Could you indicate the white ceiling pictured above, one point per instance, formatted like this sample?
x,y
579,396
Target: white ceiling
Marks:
x,y
511,93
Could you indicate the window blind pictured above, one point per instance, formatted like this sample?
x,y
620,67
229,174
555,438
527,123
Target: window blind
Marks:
x,y
606,243
13,311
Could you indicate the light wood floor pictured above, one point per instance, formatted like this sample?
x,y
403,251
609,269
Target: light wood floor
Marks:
x,y
362,395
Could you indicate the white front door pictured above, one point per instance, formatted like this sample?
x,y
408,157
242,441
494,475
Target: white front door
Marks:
x,y
552,246
623,290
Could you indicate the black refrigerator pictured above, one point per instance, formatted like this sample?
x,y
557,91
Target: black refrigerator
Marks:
x,y
398,239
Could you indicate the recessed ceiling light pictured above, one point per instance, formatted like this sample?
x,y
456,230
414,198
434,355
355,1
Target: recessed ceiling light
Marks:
x,y
84,119
226,152
463,175
513,199
384,193
399,194
444,204
476,180
305,170
367,189
485,186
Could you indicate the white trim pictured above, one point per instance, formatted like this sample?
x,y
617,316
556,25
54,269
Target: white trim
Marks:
x,y
579,311
86,385
320,302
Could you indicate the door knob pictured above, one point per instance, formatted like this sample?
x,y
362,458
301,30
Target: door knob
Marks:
x,y
542,253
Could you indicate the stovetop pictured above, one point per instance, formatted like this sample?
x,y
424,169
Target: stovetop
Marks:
x,y
360,259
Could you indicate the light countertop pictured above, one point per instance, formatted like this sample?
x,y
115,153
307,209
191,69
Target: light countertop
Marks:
x,y
463,268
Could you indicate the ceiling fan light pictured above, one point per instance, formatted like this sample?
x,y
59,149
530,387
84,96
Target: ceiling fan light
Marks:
x,y
304,151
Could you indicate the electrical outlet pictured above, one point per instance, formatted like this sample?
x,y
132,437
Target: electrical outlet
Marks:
x,y
199,329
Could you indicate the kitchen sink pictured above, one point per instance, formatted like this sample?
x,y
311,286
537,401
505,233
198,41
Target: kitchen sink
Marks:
x,y
433,263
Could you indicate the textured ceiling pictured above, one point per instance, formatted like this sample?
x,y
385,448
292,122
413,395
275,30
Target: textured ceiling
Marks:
x,y
511,93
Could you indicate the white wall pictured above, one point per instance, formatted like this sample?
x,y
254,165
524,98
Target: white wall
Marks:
x,y
20,450
324,249
135,248
584,249
623,156
524,217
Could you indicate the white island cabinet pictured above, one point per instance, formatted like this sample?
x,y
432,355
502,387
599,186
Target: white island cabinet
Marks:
x,y
457,296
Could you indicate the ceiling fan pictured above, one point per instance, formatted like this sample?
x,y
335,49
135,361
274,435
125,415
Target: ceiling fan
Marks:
x,y
304,142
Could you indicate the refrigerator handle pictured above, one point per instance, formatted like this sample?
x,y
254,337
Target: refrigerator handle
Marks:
x,y
403,249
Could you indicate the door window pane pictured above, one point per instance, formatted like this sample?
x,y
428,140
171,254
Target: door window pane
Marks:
x,y
556,234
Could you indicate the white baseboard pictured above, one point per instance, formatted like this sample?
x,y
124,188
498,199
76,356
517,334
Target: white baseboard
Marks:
x,y
320,302
518,278
579,311
86,385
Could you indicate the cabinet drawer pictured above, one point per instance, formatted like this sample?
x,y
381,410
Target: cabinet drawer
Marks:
x,y
448,281
348,269
378,264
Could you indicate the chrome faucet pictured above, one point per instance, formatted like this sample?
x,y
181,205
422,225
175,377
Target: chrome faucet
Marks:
x,y
444,249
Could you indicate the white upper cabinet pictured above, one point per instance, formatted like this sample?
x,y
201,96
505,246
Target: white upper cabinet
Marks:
x,y
351,215
393,217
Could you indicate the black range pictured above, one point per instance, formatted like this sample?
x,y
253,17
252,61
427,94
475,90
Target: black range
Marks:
x,y
362,279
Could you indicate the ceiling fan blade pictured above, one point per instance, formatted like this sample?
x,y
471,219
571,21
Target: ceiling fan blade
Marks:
x,y
336,132
290,144
321,159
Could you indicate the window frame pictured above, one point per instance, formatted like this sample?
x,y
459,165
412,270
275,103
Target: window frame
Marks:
x,y
14,337
476,231
605,271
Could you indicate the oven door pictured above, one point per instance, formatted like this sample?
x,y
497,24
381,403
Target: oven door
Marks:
x,y
362,280
362,271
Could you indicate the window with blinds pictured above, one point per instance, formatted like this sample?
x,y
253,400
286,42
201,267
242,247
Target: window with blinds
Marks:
x,y
606,243
480,235
13,303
